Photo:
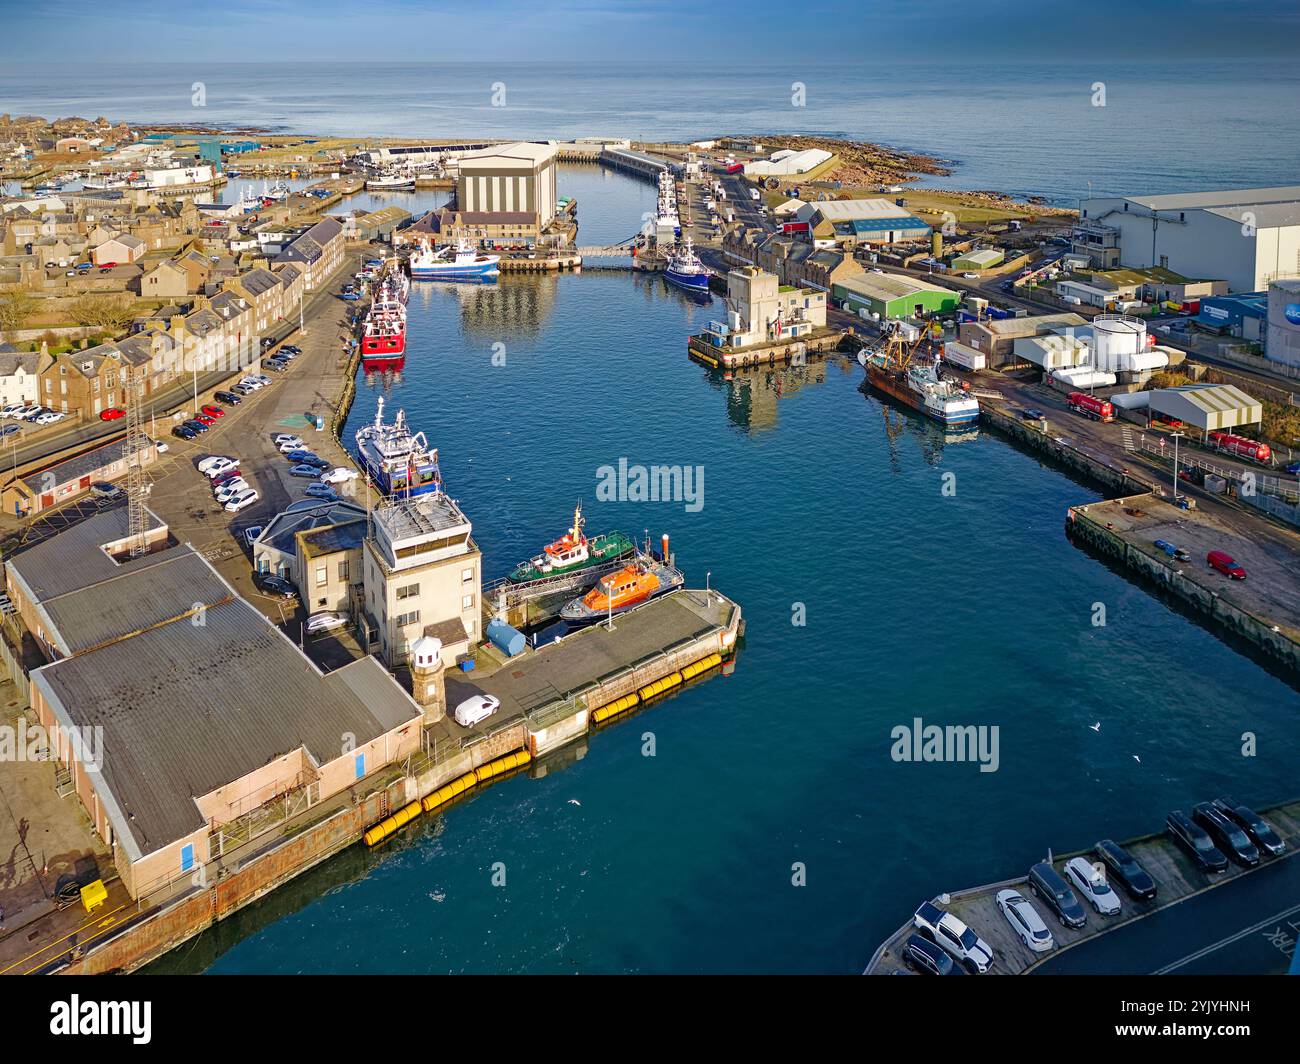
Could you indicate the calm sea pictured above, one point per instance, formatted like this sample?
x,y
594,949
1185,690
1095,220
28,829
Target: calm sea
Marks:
x,y
1024,128
956,609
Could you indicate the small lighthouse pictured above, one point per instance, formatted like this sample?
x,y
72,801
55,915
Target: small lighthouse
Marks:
x,y
427,685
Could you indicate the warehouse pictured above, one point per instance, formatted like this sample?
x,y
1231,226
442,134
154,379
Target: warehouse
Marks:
x,y
1246,236
883,296
508,179
789,163
1242,316
862,221
984,259
996,339
1207,406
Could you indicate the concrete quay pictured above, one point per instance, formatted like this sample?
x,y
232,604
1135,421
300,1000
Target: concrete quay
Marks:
x,y
819,341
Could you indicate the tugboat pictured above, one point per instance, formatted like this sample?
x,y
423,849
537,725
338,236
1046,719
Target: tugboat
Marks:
x,y
573,551
461,263
685,269
891,369
398,462
632,585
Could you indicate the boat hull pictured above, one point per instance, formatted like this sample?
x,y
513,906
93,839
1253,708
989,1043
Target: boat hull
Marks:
x,y
453,273
692,282
884,381
619,547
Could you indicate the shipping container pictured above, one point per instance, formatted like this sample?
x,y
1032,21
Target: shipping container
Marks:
x,y
963,356
1090,406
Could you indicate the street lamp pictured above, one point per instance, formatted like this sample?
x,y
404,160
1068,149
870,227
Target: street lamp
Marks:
x,y
1176,437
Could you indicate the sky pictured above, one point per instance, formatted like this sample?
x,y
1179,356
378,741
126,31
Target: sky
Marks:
x,y
966,31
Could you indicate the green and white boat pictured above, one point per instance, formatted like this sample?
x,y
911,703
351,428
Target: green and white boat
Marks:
x,y
573,551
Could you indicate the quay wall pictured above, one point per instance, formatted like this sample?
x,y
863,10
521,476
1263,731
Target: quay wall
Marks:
x,y
763,354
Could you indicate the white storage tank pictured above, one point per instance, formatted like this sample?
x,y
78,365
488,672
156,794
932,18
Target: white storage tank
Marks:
x,y
1084,377
1116,338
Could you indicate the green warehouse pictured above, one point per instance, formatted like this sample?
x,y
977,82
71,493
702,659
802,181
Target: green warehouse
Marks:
x,y
887,295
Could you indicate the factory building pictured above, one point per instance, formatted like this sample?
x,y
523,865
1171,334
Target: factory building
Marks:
x,y
888,296
1283,343
1243,316
996,340
511,179
1248,237
862,221
786,164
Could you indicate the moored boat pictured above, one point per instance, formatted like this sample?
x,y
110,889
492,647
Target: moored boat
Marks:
x,y
635,583
573,551
919,386
457,263
397,461
685,270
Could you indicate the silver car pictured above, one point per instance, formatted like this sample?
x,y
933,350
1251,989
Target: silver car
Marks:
x,y
1091,883
1025,921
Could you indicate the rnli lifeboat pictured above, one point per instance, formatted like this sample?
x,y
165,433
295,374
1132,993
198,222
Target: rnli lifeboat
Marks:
x,y
621,590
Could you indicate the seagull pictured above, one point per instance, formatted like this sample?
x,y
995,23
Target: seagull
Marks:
x,y
1137,759
574,801
1095,727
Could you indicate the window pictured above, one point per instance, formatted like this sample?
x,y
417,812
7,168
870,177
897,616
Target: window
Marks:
x,y
467,576
359,764
408,591
467,603
187,857
343,569
403,619
321,575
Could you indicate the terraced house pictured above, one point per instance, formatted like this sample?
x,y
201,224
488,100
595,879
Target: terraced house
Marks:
x,y
318,252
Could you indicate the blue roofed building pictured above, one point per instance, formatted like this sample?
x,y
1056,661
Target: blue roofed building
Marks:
x,y
1244,315
862,221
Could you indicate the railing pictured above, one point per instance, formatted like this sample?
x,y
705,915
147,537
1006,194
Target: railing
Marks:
x,y
1265,484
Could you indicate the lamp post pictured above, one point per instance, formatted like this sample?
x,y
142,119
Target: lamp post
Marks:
x,y
1176,437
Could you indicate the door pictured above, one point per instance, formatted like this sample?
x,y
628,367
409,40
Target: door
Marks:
x,y
187,857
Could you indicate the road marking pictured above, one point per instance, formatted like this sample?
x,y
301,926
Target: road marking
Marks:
x,y
1228,941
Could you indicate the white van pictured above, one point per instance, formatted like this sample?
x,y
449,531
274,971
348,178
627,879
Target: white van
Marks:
x,y
475,709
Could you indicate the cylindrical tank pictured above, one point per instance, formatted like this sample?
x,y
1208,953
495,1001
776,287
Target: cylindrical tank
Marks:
x,y
1116,339
936,244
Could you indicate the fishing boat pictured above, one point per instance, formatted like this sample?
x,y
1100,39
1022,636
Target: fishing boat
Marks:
x,y
278,191
685,270
397,461
892,369
391,182
635,583
459,263
573,551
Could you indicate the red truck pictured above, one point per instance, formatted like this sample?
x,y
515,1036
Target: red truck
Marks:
x,y
1241,447
1091,406
735,168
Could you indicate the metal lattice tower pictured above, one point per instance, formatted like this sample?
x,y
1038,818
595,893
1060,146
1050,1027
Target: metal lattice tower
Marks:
x,y
132,446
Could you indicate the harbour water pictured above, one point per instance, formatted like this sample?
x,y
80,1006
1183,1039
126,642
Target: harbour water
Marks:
x,y
820,505
1028,128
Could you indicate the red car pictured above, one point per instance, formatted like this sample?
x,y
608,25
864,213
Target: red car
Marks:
x,y
213,411
203,419
111,414
1222,561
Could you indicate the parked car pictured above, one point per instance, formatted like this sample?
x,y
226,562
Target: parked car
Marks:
x,y
325,621
102,489
321,491
1193,838
1124,869
291,444
1293,468
216,464
1032,415
242,390
306,457
47,419
249,536
196,425
12,410
270,584
262,379
954,936
9,430
160,446
229,398
1025,921
277,364
922,955
241,501
291,349
476,708
213,411
204,419
1226,833
1224,563
338,475
111,414
230,490
1091,883
1045,882
1174,551
184,432
1259,829
252,383
1169,422
302,470
33,412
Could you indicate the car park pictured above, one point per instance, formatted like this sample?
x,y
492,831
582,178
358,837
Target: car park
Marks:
x,y
1226,833
229,398
1194,840
476,708
325,621
1124,869
1224,563
270,584
111,414
244,499
954,936
338,475
309,471
1260,830
1045,882
1091,883
922,955
1025,921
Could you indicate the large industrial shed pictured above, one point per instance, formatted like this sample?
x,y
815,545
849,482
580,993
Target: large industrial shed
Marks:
x,y
1207,406
893,296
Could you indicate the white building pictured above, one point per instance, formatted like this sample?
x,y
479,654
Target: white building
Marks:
x,y
508,179
172,176
1246,236
19,381
787,163
1283,343
760,308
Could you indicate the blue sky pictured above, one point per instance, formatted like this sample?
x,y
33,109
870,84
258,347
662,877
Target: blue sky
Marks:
x,y
966,31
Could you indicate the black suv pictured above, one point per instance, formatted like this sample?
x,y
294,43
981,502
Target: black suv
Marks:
x,y
1192,838
1046,883
1123,868
1259,829
229,398
270,584
927,957
1226,834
